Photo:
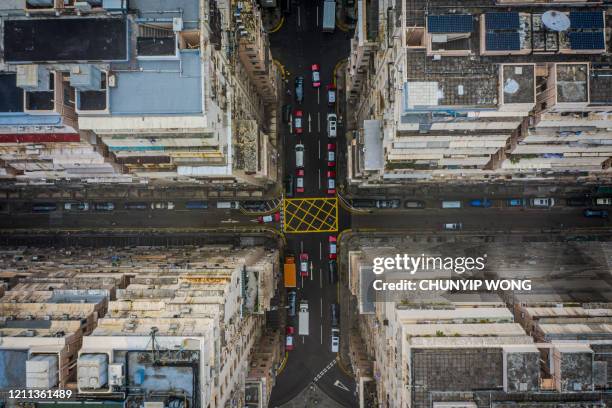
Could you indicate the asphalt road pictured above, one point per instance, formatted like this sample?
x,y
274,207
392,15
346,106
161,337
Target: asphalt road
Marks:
x,y
299,44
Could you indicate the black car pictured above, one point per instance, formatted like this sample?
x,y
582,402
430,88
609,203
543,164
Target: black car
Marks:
x,y
335,314
576,202
136,206
590,213
286,113
291,302
288,186
364,203
332,272
286,6
254,205
299,89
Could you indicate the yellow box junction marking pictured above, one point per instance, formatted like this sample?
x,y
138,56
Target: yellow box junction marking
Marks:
x,y
301,215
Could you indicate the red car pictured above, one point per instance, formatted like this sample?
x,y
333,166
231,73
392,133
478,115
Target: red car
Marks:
x,y
331,155
299,181
331,182
303,264
333,248
316,75
262,219
298,126
289,340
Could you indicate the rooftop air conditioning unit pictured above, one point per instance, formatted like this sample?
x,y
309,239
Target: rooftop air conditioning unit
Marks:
x,y
82,7
177,24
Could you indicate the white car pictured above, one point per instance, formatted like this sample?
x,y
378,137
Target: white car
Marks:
x,y
455,226
332,123
603,201
335,340
543,202
162,206
76,206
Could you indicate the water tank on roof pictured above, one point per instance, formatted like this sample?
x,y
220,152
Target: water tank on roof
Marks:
x,y
33,77
42,371
92,371
85,77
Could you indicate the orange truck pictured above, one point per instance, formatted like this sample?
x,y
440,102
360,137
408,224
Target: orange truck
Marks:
x,y
290,275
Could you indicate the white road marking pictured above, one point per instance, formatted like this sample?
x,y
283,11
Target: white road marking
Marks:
x,y
321,309
317,23
301,246
341,386
319,179
324,370
299,22
319,140
318,121
318,96
321,333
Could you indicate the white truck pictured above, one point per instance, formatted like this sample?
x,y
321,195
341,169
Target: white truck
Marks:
x,y
329,16
303,318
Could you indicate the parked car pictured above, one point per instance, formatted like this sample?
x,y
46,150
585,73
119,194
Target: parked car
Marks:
x,y
391,203
332,246
288,183
162,205
298,122
516,202
291,302
335,340
103,206
228,205
316,75
289,339
44,207
263,219
543,202
299,89
299,155
331,155
334,314
79,206
603,201
576,202
299,180
455,226
414,204
590,213
364,203
304,264
136,206
332,269
331,182
484,203
331,94
287,113
255,205
332,123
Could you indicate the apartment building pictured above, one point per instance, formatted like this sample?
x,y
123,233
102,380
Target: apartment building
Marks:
x,y
153,92
178,324
547,347
478,90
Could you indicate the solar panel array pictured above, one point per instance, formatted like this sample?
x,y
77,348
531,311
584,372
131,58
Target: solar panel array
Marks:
x,y
586,19
450,23
503,41
502,21
587,40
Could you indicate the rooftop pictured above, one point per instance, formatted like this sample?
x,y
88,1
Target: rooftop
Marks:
x,y
160,87
65,39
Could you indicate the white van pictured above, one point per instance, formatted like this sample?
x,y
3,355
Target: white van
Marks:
x,y
332,122
299,155
451,204
228,204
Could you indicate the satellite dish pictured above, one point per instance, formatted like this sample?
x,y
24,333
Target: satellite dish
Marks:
x,y
511,87
556,20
